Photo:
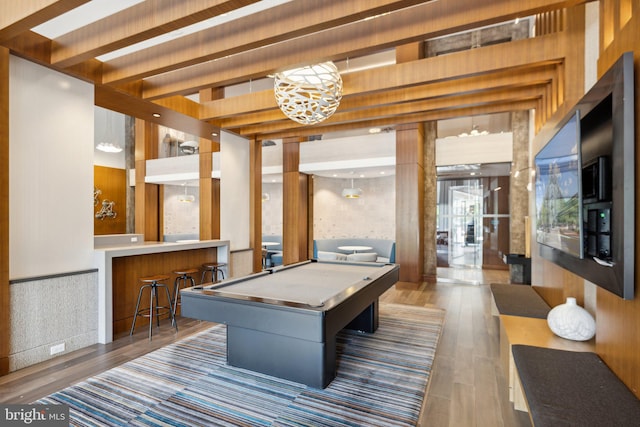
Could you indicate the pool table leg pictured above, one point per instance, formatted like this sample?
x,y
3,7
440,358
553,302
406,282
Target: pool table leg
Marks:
x,y
367,321
303,361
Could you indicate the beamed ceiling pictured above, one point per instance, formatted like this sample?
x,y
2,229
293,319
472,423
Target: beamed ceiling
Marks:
x,y
518,75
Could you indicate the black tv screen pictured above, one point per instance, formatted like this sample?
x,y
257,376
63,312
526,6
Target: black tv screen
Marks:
x,y
558,190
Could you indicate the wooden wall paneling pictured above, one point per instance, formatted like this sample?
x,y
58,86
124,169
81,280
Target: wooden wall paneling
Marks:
x,y
410,202
310,217
291,218
5,294
574,45
147,195
112,183
618,320
303,217
128,270
255,201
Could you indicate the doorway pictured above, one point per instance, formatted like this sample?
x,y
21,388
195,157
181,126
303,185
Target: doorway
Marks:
x,y
465,231
473,222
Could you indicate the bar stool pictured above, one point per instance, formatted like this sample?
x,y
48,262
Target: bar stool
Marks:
x,y
153,283
213,268
184,275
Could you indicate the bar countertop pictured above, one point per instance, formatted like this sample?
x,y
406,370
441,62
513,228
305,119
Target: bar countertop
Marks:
x,y
103,259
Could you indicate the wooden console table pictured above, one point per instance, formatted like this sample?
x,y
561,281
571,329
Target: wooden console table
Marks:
x,y
533,332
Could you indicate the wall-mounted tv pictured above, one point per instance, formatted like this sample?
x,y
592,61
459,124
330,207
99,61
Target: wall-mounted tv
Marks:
x,y
559,191
606,118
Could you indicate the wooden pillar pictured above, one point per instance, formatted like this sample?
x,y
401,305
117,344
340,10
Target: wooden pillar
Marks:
x,y
147,195
410,202
295,240
5,325
209,188
410,186
255,202
209,192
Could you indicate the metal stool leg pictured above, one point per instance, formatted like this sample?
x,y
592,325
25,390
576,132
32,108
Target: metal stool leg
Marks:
x,y
153,291
135,316
171,309
204,274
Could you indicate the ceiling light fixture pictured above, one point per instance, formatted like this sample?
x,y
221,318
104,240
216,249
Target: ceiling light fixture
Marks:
x,y
310,94
352,193
186,198
110,142
156,115
108,147
474,132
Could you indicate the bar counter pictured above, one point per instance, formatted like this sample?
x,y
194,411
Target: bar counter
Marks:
x,y
120,267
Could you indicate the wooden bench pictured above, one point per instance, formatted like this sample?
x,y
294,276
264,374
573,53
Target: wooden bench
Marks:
x,y
568,388
559,382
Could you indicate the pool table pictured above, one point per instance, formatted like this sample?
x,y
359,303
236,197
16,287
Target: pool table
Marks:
x,y
283,322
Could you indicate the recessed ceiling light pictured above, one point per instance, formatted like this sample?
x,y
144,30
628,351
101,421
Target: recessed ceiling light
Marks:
x,y
375,130
156,115
214,133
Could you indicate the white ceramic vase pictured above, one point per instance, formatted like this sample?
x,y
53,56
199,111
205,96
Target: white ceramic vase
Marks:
x,y
571,321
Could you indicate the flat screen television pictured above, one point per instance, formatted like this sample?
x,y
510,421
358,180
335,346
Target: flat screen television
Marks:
x,y
559,191
607,152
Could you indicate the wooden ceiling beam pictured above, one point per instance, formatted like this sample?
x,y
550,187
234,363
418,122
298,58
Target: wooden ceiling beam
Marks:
x,y
504,79
418,23
517,56
408,108
111,99
16,17
320,129
289,20
135,24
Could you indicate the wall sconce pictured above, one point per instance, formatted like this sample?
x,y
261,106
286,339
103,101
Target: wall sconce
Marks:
x,y
266,197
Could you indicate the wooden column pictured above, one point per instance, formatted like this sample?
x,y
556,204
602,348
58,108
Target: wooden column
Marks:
x,y
147,195
209,192
255,202
295,238
410,189
410,202
5,325
209,188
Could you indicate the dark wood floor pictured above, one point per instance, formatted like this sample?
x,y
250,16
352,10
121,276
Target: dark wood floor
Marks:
x,y
467,386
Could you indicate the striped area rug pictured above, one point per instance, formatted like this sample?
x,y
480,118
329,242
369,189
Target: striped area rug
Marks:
x,y
381,381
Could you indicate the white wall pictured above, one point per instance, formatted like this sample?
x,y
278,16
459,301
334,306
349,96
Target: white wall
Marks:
x,y
234,190
370,216
51,171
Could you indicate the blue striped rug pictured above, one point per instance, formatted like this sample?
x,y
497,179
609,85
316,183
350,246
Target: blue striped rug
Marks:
x,y
381,381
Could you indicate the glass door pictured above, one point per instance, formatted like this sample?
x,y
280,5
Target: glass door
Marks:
x,y
465,232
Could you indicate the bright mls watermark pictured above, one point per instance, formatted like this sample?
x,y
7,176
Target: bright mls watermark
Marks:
x,y
34,415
